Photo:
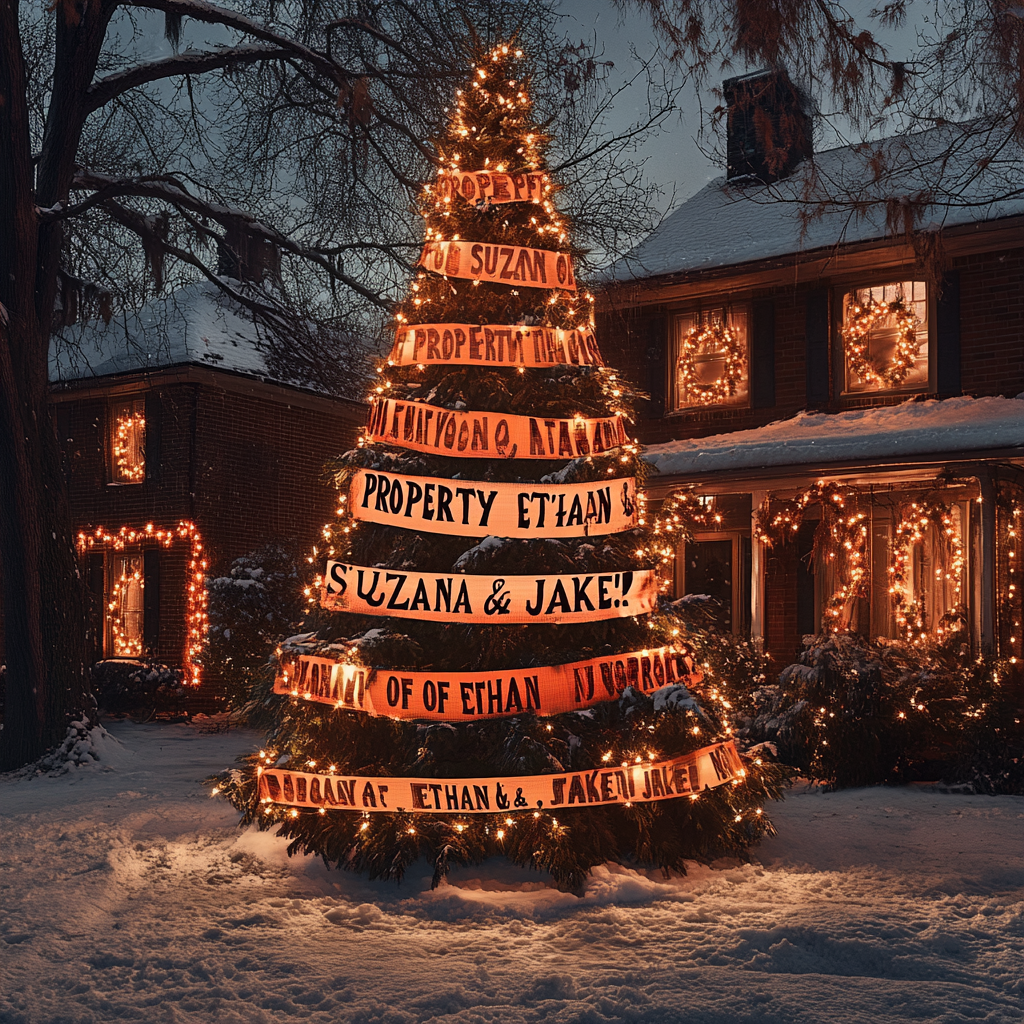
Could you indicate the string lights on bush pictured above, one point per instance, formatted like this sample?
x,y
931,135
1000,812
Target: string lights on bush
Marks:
x,y
714,337
196,621
862,318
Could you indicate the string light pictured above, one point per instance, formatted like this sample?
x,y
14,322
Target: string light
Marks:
x,y
862,319
908,602
196,620
840,539
711,338
129,448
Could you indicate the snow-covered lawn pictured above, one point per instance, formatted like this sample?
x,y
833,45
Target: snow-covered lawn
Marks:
x,y
126,893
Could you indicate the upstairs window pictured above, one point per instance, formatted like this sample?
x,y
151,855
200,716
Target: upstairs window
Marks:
x,y
885,337
127,441
711,359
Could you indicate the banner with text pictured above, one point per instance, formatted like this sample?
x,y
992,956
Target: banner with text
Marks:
x,y
474,508
474,694
502,264
492,186
490,435
492,599
636,783
494,345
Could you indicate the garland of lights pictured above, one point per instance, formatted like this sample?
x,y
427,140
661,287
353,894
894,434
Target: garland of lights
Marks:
x,y
196,622
916,518
863,319
715,337
130,468
124,646
1011,601
841,537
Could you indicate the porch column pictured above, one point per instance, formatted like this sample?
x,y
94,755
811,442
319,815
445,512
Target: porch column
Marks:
x,y
756,573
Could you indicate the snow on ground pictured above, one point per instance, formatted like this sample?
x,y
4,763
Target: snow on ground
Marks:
x,y
126,893
961,424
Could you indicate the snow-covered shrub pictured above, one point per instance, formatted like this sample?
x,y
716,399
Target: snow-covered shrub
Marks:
x,y
251,608
137,687
854,712
81,747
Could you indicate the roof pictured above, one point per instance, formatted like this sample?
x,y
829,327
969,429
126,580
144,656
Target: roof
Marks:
x,y
196,324
740,221
957,425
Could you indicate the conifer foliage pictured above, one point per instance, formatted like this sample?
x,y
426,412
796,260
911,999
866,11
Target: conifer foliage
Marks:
x,y
637,717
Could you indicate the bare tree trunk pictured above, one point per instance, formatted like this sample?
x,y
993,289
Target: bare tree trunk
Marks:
x,y
42,588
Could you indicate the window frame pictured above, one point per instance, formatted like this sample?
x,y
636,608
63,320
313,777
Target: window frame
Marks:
x,y
699,309
111,577
740,612
840,288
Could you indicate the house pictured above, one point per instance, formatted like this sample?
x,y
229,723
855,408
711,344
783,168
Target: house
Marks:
x,y
183,450
838,410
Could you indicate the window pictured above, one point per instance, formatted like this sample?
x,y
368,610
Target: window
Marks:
x,y
717,565
884,335
711,359
125,606
127,442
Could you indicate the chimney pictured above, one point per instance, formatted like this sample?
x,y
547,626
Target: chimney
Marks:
x,y
768,131
246,257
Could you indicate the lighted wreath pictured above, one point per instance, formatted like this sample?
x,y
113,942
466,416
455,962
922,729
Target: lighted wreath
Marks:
x,y
714,337
130,467
840,538
863,318
915,520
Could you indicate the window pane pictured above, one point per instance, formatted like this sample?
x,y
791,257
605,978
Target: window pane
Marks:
x,y
886,349
709,571
711,359
125,606
128,442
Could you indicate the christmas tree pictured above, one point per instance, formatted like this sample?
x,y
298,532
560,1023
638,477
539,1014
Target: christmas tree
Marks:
x,y
493,670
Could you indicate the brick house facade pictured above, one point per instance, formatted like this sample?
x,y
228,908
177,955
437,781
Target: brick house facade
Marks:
x,y
946,432
196,457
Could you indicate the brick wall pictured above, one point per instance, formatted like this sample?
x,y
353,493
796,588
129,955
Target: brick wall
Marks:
x,y
992,346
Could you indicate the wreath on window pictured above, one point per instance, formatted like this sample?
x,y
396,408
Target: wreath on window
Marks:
x,y
864,316
715,337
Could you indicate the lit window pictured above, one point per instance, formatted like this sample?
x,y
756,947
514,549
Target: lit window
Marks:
x,y
710,366
128,442
125,607
885,336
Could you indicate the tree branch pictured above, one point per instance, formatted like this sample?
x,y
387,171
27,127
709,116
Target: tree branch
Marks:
x,y
191,62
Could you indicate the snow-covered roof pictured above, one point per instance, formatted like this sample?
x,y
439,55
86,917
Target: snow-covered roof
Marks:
x,y
729,223
195,325
957,425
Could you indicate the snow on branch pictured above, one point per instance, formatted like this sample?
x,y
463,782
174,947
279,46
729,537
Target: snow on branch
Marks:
x,y
200,10
191,62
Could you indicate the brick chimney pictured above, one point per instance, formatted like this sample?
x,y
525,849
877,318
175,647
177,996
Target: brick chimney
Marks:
x,y
768,131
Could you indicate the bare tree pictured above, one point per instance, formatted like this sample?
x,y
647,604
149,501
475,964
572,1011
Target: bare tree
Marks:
x,y
278,162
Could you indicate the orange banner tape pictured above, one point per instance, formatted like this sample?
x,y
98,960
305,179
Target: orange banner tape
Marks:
x,y
472,695
489,435
502,264
635,783
493,345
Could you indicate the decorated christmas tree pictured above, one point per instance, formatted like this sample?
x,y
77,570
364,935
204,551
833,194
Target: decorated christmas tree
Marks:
x,y
493,668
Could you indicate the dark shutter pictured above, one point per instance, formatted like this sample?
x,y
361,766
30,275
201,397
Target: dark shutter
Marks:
x,y
154,434
94,581
947,336
817,346
151,599
762,354
657,355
